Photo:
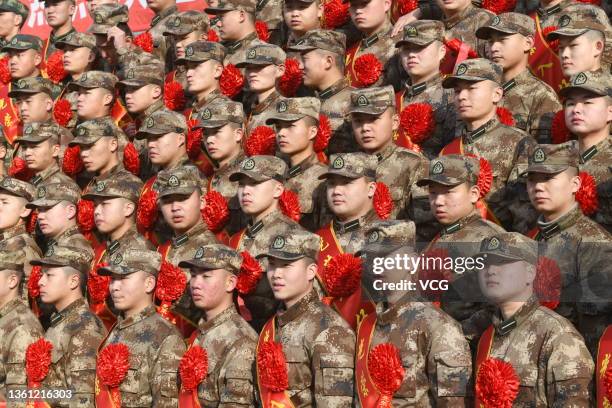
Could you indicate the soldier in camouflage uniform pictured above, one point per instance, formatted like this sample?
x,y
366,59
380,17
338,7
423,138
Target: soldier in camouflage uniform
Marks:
x,y
435,356
531,101
75,331
580,247
17,14
301,18
58,14
228,339
588,105
96,95
295,122
327,48
421,51
26,50
477,87
546,352
142,85
163,46
112,32
19,327
317,343
154,343
461,20
33,97
270,13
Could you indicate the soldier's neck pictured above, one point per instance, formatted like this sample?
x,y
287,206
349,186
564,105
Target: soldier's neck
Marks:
x,y
138,308
176,160
76,75
352,217
291,302
227,160
10,36
69,299
202,95
122,230
225,304
509,309
265,212
419,79
451,13
333,77
552,216
63,29
70,224
262,96
9,297
374,30
585,142
301,156
476,123
382,148
513,72
111,164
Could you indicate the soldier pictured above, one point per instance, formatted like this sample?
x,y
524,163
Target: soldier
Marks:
x,y
264,64
75,331
322,60
226,337
19,327
163,46
580,247
58,14
113,35
33,98
544,350
421,50
461,20
269,12
477,87
296,124
588,112
429,343
93,4
142,86
301,17
531,101
96,94
317,343
13,15
155,346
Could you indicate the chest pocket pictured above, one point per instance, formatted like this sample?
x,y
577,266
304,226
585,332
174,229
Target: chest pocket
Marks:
x,y
528,376
298,367
135,381
337,373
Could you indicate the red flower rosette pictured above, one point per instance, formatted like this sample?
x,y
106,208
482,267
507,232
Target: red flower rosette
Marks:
x,y
113,364
216,212
171,283
62,112
499,6
367,70
32,219
291,80
261,141
383,203
547,283
98,286
231,81
386,370
85,216
55,67
272,366
194,139
485,175
33,288
324,133
131,160
146,214
19,170
453,46
144,41
558,131
38,361
261,28
586,196
174,96
505,116
554,44
335,14
418,121
5,72
193,367
212,36
250,274
608,381
289,204
433,269
407,6
342,275
594,2
72,163
497,384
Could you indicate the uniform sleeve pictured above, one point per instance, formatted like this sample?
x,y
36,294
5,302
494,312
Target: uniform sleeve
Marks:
x,y
236,387
17,343
164,376
543,111
333,367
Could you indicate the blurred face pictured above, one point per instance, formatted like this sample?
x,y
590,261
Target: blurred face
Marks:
x,y
262,78
203,76
93,103
9,22
181,41
222,143
59,13
210,289
301,16
34,107
110,214
579,54
181,212
92,4
450,7
315,65
368,16
230,23
163,149
40,156
506,282
106,47
552,193
56,284
290,280
23,64
138,99
419,61
97,156
12,209
509,50
450,204
52,221
77,59
255,197
159,5
349,198
587,113
131,291
294,137
374,132
476,100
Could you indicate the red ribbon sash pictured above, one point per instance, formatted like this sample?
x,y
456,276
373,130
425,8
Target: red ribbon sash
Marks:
x,y
604,362
100,309
544,62
186,398
482,353
366,390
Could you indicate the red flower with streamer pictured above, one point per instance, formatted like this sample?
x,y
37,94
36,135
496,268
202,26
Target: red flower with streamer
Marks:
x,y
85,216
272,366
250,274
174,96
289,204
212,36
33,288
38,361
262,30
261,141
216,212
367,70
383,203
454,45
5,72
485,175
113,364
32,219
146,214
193,367
131,160
72,163
386,370
497,384
407,6
194,139
231,81
558,131
553,44
418,122
342,275
144,41
171,282
62,112
97,285
291,80
55,67
505,116
499,6
547,283
19,170
335,14
324,133
586,196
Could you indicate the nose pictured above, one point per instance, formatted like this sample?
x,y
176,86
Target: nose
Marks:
x,y
98,210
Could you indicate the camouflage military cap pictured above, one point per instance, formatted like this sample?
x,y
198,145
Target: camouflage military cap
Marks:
x,y
23,42
214,256
263,54
509,247
90,131
58,256
115,187
552,158
351,165
143,74
219,113
162,122
31,85
132,260
201,51
373,101
108,15
54,193
577,19
95,79
36,132
598,83
422,33
293,245
452,170
17,188
508,23
77,40
15,6
228,5
12,260
182,181
475,70
292,109
187,22
385,237
328,40
261,168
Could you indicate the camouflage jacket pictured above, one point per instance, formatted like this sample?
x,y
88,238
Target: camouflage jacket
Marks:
x,y
270,12
156,348
259,112
17,238
53,174
352,234
236,50
199,106
163,46
71,237
52,40
596,161
75,333
230,344
130,240
335,103
463,26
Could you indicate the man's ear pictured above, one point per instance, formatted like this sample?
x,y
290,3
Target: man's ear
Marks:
x,y
311,271
218,71
230,282
371,189
74,281
113,144
107,99
17,20
72,10
49,105
575,181
498,94
280,71
149,283
128,208
37,59
181,139
55,151
25,212
238,134
156,92
202,201
387,5
474,194
395,121
278,188
529,44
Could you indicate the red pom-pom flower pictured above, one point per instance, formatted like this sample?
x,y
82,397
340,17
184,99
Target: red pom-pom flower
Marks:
x,y
262,30
485,175
131,161
291,80
216,212
5,72
250,274
72,163
367,70
289,204
558,131
144,41
174,96
55,67
342,275
407,6
85,216
212,36
547,283
194,139
19,170
97,285
62,112
272,366
32,219
171,282
385,368
497,384
335,13
193,367
33,288
324,133
38,361
586,196
418,121
231,81
113,364
261,141
146,215
505,116
383,203
499,6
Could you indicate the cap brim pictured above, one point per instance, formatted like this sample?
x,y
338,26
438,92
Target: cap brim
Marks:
x,y
452,80
98,29
484,33
48,262
496,257
379,249
16,92
145,134
248,174
445,181
15,47
7,265
31,139
244,64
180,191
42,204
83,142
114,270
546,169
93,195
368,110
283,118
340,173
415,41
211,124
196,263
301,48
568,89
132,82
285,256
217,10
565,32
